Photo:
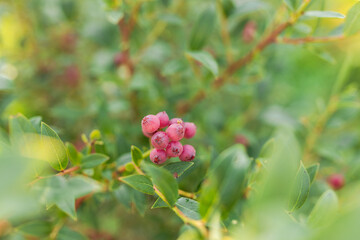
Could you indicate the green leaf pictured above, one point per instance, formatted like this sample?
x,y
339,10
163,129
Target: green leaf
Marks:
x,y
312,171
293,4
139,199
140,183
123,195
226,182
324,209
268,148
36,122
73,154
202,30
189,207
324,14
5,83
54,148
301,189
207,60
81,186
164,182
136,155
36,228
352,21
66,233
93,160
19,126
178,168
159,203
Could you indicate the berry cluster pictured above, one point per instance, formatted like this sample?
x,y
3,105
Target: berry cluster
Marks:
x,y
166,143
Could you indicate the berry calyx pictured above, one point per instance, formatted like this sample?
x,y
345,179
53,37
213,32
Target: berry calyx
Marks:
x,y
174,149
160,140
150,123
158,156
164,119
336,181
188,153
190,130
175,131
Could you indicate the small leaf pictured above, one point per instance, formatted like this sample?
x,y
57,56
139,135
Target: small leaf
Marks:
x,y
159,203
178,168
324,209
202,29
164,182
93,160
189,207
312,171
57,158
36,228
136,155
352,21
324,14
140,183
301,189
73,154
207,60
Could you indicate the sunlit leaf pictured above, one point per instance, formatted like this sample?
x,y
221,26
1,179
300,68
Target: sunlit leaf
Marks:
x,y
140,183
352,21
324,209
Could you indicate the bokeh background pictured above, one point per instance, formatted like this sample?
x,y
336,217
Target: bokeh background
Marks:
x,y
79,66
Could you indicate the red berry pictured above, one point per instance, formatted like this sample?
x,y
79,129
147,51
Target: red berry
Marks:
x,y
190,130
176,120
158,156
150,123
164,119
188,153
160,140
120,59
175,131
249,32
336,181
242,140
174,149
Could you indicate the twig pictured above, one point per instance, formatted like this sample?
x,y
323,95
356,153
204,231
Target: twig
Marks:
x,y
187,194
310,39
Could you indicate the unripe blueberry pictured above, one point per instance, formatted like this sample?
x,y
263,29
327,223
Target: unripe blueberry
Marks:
x,y
150,123
174,149
190,130
188,153
175,131
336,181
160,140
158,156
176,120
164,119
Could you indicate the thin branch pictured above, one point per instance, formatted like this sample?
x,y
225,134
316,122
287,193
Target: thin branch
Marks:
x,y
187,194
67,171
310,39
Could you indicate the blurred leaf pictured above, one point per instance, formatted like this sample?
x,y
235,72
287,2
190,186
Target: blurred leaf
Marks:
x,y
189,207
18,127
164,182
301,189
95,135
140,183
268,149
324,14
293,4
73,154
230,167
159,203
123,195
136,155
313,171
60,160
202,30
93,160
352,21
207,60
82,186
139,200
5,83
66,233
36,228
178,168
36,122
324,209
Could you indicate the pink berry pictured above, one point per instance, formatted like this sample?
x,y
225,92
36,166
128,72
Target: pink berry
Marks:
x,y
160,140
188,153
336,181
190,130
175,131
158,156
176,120
148,135
164,119
150,123
174,149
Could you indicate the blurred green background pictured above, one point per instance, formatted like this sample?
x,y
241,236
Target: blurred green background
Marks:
x,y
81,65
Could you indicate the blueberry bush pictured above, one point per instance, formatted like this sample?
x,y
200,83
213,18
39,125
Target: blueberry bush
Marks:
x,y
173,119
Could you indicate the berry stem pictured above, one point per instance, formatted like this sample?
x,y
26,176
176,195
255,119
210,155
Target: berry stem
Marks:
x,y
187,194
